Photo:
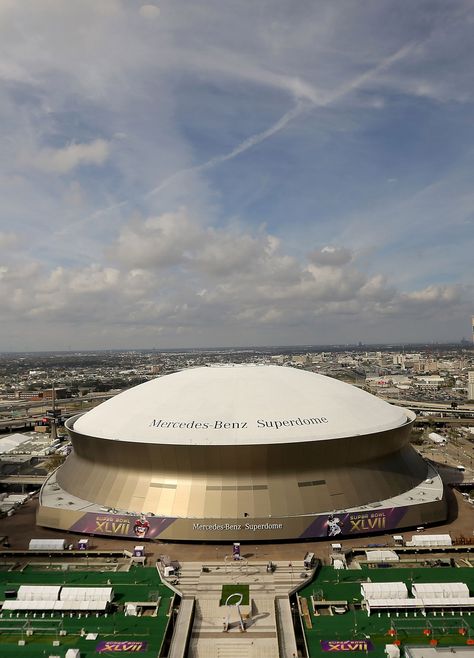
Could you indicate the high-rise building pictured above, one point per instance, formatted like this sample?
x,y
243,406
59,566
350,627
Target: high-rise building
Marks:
x,y
472,322
470,385
399,360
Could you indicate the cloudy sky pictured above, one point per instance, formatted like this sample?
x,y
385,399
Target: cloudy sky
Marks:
x,y
209,173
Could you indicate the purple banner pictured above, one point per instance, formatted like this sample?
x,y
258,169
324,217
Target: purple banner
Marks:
x,y
347,645
332,526
130,646
121,525
342,524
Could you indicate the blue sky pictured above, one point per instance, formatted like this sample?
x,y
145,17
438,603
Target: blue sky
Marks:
x,y
207,173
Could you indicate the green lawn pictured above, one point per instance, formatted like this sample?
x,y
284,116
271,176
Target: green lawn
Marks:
x,y
139,584
229,590
356,624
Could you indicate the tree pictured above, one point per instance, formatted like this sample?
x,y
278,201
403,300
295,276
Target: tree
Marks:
x,y
54,461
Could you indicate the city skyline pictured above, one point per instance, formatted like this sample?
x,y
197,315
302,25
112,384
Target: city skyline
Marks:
x,y
191,176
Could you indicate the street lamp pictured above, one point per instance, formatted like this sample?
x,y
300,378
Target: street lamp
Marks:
x,y
355,616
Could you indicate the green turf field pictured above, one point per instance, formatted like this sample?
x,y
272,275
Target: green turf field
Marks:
x,y
229,590
357,625
139,584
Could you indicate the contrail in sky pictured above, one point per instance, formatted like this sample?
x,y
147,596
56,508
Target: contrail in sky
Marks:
x,y
241,148
311,98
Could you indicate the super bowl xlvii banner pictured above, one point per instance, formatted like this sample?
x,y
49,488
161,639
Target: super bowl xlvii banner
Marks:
x,y
353,523
338,524
346,645
121,525
130,646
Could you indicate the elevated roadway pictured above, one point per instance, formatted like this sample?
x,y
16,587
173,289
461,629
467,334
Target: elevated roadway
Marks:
x,y
437,411
69,406
23,479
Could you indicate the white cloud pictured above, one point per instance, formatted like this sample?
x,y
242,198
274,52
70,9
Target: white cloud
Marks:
x,y
242,117
8,239
158,241
149,11
63,160
171,275
330,255
434,294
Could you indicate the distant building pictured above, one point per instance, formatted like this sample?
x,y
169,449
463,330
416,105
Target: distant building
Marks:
x,y
429,381
399,360
426,365
37,396
470,385
56,393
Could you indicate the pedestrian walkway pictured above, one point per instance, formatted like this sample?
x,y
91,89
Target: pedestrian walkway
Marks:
x,y
268,611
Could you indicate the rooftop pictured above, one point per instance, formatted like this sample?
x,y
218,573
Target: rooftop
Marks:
x,y
240,404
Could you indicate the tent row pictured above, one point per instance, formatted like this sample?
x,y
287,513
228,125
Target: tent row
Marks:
x,y
56,606
57,592
393,604
434,596
464,602
398,590
419,604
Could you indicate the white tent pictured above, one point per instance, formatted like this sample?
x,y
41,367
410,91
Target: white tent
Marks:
x,y
395,590
87,594
47,545
38,592
12,442
430,540
56,606
391,651
440,590
393,604
73,653
437,438
464,602
28,605
98,605
382,556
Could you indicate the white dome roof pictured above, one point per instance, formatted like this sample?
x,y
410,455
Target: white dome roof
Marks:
x,y
240,404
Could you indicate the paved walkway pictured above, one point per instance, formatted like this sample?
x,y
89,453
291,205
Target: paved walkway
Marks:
x,y
183,622
260,639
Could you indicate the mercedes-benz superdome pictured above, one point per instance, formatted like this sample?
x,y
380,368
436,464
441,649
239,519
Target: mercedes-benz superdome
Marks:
x,y
242,452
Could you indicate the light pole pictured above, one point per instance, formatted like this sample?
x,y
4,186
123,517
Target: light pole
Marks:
x,y
354,600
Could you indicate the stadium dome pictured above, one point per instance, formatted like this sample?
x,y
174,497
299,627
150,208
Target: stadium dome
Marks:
x,y
243,451
240,405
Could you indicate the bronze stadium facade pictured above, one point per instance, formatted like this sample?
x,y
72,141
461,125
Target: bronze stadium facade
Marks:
x,y
240,453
